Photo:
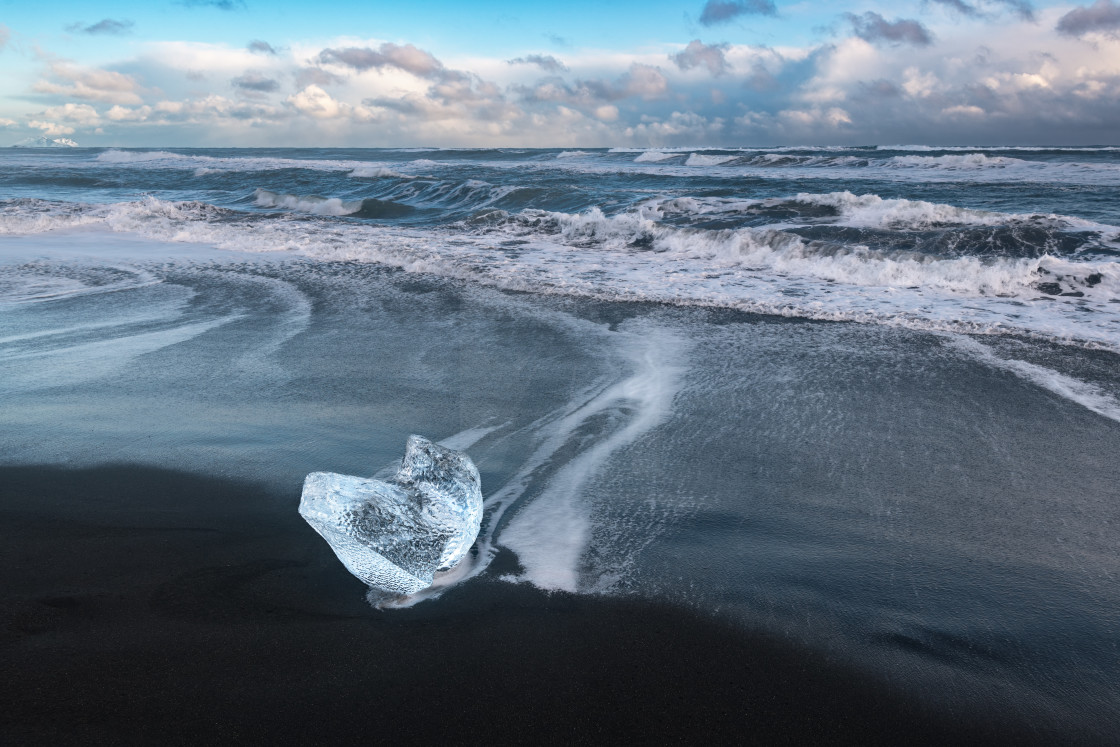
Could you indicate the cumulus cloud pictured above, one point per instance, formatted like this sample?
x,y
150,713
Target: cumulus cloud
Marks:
x,y
120,113
698,54
255,82
316,76
5,34
545,62
979,83
108,27
677,127
640,81
645,81
872,27
80,114
722,11
1102,16
91,84
51,129
261,47
317,103
407,57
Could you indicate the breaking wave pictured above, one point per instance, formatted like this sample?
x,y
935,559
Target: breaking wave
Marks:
x,y
365,208
942,164
969,161
641,255
202,164
697,159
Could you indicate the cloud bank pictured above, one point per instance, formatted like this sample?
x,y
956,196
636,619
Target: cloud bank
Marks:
x,y
989,71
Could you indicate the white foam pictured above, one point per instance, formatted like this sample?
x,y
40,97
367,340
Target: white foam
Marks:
x,y
378,172
202,165
873,211
698,159
551,533
838,163
552,526
1083,393
653,156
636,256
969,161
311,204
132,156
998,148
465,439
73,364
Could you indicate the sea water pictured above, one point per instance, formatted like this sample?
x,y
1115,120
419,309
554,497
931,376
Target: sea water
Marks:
x,y
864,398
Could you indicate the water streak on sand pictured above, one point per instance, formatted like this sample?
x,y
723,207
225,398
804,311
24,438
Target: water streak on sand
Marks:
x,y
550,524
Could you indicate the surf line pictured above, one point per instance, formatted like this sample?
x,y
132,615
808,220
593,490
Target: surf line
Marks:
x,y
549,526
1087,395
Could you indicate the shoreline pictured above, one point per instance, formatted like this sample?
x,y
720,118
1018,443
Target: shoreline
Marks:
x,y
144,604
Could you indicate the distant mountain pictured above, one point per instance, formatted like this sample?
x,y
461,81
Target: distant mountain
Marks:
x,y
45,142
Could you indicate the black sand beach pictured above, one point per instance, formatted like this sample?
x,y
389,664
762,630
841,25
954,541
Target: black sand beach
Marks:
x,y
142,605
776,530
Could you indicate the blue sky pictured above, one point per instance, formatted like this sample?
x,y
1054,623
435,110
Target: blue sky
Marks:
x,y
657,73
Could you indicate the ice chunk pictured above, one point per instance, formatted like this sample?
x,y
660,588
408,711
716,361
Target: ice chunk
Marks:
x,y
395,534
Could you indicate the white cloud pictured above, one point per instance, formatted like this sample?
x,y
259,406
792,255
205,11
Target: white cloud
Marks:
x,y
51,129
314,102
68,79
122,114
976,82
81,114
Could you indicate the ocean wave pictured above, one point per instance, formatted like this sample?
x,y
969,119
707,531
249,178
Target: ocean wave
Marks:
x,y
698,159
653,156
854,162
968,161
202,164
369,208
377,172
789,253
998,148
635,255
869,211
311,204
873,211
789,158
132,156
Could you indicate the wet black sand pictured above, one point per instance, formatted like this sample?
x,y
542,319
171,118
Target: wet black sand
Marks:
x,y
143,605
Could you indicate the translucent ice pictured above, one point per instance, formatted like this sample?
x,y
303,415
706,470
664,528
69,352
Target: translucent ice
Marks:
x,y
395,534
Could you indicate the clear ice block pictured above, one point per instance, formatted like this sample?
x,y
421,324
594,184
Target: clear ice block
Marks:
x,y
395,534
